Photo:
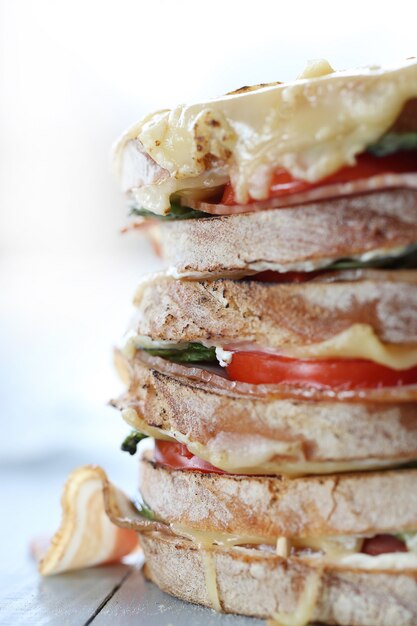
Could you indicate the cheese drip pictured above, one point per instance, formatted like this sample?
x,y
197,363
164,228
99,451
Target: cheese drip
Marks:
x,y
311,127
205,542
211,579
305,607
358,342
207,539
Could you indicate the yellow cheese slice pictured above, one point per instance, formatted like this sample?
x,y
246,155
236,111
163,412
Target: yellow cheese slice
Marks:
x,y
359,342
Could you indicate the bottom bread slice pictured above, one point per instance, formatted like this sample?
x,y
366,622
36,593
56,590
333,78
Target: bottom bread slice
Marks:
x,y
259,583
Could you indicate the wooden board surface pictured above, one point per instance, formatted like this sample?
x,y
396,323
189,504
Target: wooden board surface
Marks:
x,y
66,600
115,595
139,601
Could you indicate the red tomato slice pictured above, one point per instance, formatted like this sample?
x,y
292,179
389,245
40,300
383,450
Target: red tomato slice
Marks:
x,y
366,165
263,368
176,456
382,544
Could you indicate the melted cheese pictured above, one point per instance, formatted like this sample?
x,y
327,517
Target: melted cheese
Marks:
x,y
332,547
342,549
283,547
131,417
207,539
316,68
261,456
359,342
211,580
305,607
390,561
312,127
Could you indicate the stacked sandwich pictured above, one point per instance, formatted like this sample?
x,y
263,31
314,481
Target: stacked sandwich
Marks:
x,y
275,361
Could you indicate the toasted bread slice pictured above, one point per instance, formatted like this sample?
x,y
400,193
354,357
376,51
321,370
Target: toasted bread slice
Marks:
x,y
278,434
259,583
270,507
276,315
297,238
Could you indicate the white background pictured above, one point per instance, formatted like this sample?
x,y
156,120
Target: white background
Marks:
x,y
74,74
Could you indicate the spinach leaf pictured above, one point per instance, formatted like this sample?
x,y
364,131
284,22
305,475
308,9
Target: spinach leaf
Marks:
x,y
393,142
190,353
177,212
130,444
407,260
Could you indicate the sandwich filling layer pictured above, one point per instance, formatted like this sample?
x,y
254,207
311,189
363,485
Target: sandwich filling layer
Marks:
x,y
355,358
353,329
262,455
208,532
302,131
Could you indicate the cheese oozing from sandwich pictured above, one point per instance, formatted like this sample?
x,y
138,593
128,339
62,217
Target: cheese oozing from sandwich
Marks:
x,y
311,127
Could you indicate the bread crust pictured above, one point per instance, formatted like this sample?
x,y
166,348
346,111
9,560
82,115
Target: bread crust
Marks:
x,y
279,315
258,583
315,233
274,506
323,430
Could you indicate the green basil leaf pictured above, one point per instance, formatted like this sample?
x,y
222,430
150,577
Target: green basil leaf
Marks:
x,y
191,353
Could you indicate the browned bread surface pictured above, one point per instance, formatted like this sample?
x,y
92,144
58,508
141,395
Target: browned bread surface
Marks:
x,y
279,315
315,233
258,583
266,506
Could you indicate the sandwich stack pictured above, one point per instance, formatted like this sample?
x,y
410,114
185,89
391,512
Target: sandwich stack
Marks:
x,y
275,361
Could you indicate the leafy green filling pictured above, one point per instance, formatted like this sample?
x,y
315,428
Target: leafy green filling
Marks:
x,y
176,212
407,260
144,510
393,142
130,444
189,353
409,465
